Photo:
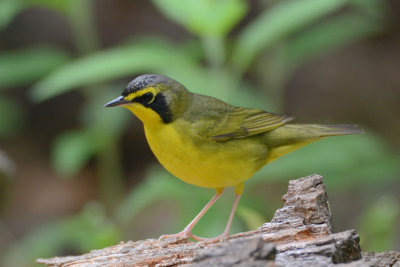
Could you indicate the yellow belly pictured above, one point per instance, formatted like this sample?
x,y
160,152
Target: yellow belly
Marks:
x,y
204,162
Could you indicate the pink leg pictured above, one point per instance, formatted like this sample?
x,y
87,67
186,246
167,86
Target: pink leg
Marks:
x,y
228,226
187,232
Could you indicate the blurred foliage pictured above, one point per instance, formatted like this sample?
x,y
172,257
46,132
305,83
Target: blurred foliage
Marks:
x,y
212,62
276,24
348,159
90,229
24,66
12,116
204,18
378,225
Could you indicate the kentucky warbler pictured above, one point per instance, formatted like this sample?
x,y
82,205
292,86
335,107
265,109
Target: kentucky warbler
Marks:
x,y
207,142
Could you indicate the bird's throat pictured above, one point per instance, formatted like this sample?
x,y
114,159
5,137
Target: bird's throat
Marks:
x,y
148,116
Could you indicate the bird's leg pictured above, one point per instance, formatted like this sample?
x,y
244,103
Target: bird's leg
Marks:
x,y
228,226
225,234
221,237
187,232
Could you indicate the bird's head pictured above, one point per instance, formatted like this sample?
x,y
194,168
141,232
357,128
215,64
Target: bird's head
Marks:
x,y
153,98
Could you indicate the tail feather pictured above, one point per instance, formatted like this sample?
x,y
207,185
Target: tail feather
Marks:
x,y
332,130
291,137
299,133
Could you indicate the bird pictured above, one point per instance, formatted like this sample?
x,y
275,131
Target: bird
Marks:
x,y
209,143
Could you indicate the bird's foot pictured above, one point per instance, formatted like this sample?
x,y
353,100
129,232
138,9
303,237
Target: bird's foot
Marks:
x,y
220,238
185,234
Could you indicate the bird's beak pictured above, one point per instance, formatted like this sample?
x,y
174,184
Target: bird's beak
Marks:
x,y
116,102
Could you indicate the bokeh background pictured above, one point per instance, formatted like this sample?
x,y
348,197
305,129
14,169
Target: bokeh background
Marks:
x,y
75,176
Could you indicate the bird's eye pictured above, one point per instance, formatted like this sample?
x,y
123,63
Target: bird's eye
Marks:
x,y
148,97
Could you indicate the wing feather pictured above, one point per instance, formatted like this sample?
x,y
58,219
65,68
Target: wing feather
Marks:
x,y
242,122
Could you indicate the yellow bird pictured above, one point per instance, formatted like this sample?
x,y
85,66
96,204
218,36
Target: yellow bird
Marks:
x,y
209,143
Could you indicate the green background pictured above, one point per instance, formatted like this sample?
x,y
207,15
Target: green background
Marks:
x,y
75,176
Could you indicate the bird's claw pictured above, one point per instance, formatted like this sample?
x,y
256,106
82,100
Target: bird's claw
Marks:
x,y
187,234
179,236
221,238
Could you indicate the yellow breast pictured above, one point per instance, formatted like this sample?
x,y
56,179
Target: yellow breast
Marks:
x,y
203,162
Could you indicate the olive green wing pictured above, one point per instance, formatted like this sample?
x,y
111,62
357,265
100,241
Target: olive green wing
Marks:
x,y
243,122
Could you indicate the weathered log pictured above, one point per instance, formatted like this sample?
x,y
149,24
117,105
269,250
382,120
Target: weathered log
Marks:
x,y
300,234
383,259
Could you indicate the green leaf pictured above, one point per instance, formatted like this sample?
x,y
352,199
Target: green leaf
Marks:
x,y
12,117
330,35
62,6
204,17
157,56
24,66
276,23
8,10
71,151
372,8
152,55
149,55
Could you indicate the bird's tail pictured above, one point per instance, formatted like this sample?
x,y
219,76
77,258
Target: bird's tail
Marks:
x,y
328,130
291,137
294,133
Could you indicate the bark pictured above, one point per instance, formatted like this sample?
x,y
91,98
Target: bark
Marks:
x,y
300,234
383,259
